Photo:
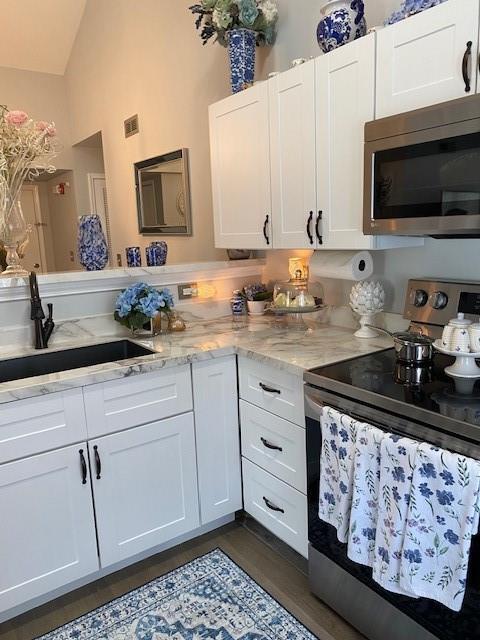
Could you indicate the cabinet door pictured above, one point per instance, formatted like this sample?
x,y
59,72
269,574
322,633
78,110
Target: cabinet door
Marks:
x,y
218,438
145,487
47,535
239,142
345,87
419,60
292,153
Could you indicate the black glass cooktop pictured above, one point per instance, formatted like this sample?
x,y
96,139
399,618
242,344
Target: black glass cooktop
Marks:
x,y
378,379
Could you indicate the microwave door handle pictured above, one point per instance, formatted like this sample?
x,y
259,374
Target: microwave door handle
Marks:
x,y
466,59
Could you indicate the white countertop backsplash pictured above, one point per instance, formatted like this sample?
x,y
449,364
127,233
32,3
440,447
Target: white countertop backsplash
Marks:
x,y
264,339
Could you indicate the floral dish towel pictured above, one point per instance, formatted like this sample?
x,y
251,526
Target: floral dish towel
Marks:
x,y
397,459
364,514
336,469
443,515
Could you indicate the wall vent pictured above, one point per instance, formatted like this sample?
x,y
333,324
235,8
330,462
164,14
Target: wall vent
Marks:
x,y
131,126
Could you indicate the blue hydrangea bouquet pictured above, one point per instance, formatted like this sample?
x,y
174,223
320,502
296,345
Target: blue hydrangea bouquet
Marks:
x,y
139,304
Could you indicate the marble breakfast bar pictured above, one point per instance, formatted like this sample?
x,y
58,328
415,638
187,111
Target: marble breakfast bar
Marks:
x,y
82,447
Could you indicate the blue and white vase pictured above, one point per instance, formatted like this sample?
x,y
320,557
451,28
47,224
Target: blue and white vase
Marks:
x,y
342,21
92,244
156,254
410,8
241,49
134,256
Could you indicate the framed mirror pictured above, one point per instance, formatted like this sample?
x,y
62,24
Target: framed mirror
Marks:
x,y
163,195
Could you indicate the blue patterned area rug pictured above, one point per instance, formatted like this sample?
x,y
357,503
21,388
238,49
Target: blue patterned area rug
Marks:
x,y
210,597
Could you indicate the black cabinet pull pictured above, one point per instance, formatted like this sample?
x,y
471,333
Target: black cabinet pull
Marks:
x,y
98,462
309,230
83,464
268,445
267,389
265,226
466,58
317,227
272,506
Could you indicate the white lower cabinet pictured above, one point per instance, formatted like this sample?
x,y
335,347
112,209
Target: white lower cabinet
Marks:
x,y
144,487
47,532
276,445
218,437
276,505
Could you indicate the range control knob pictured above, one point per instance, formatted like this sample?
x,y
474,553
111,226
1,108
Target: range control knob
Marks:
x,y
439,300
419,298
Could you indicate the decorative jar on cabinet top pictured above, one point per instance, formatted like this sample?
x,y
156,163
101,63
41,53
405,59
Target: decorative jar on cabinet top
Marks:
x,y
342,21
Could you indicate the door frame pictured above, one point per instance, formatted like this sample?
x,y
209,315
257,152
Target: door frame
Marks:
x,y
38,224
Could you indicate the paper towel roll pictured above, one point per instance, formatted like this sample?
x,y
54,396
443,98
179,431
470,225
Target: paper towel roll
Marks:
x,y
342,265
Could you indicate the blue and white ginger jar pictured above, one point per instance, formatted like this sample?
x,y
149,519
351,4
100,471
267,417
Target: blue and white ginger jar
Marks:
x,y
411,7
241,49
342,21
92,244
156,254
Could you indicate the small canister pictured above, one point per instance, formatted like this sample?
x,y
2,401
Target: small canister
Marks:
x,y
134,256
474,333
237,303
456,335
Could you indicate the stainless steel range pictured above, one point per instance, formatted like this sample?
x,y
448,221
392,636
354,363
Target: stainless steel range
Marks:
x,y
372,389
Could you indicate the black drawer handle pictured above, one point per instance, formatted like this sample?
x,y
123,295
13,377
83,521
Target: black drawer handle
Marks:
x,y
309,225
98,462
317,227
83,464
268,445
272,507
267,389
265,226
466,58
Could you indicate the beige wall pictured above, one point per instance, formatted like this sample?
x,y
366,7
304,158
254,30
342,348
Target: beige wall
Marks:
x,y
297,30
146,58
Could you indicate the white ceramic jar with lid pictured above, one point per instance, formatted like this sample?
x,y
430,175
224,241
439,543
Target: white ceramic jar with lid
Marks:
x,y
456,335
474,333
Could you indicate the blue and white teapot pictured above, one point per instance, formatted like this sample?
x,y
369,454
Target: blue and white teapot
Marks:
x,y
342,21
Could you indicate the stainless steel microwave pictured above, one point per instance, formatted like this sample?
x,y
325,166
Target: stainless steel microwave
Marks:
x,y
422,172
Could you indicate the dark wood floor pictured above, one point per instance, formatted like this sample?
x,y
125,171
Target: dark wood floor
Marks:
x,y
278,574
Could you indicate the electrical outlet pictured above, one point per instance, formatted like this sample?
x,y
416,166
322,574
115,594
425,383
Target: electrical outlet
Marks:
x,y
187,291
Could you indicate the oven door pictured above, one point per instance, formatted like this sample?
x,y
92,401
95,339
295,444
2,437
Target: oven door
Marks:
x,y
425,182
348,587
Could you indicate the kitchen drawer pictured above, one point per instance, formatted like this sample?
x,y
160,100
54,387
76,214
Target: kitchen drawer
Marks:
x,y
42,423
136,400
274,444
272,389
276,505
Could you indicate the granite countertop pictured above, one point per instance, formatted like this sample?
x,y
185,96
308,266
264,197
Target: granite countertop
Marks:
x,y
262,339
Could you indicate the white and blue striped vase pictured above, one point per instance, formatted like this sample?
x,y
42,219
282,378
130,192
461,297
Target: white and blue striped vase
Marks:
x,y
241,49
92,244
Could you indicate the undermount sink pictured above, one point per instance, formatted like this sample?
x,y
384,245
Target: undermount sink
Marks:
x,y
57,361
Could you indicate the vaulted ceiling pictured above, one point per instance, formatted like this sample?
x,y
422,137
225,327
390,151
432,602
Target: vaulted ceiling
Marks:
x,y
38,35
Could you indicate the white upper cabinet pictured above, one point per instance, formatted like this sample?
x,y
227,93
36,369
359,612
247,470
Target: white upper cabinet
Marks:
x,y
47,531
293,157
240,154
144,486
420,60
345,94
